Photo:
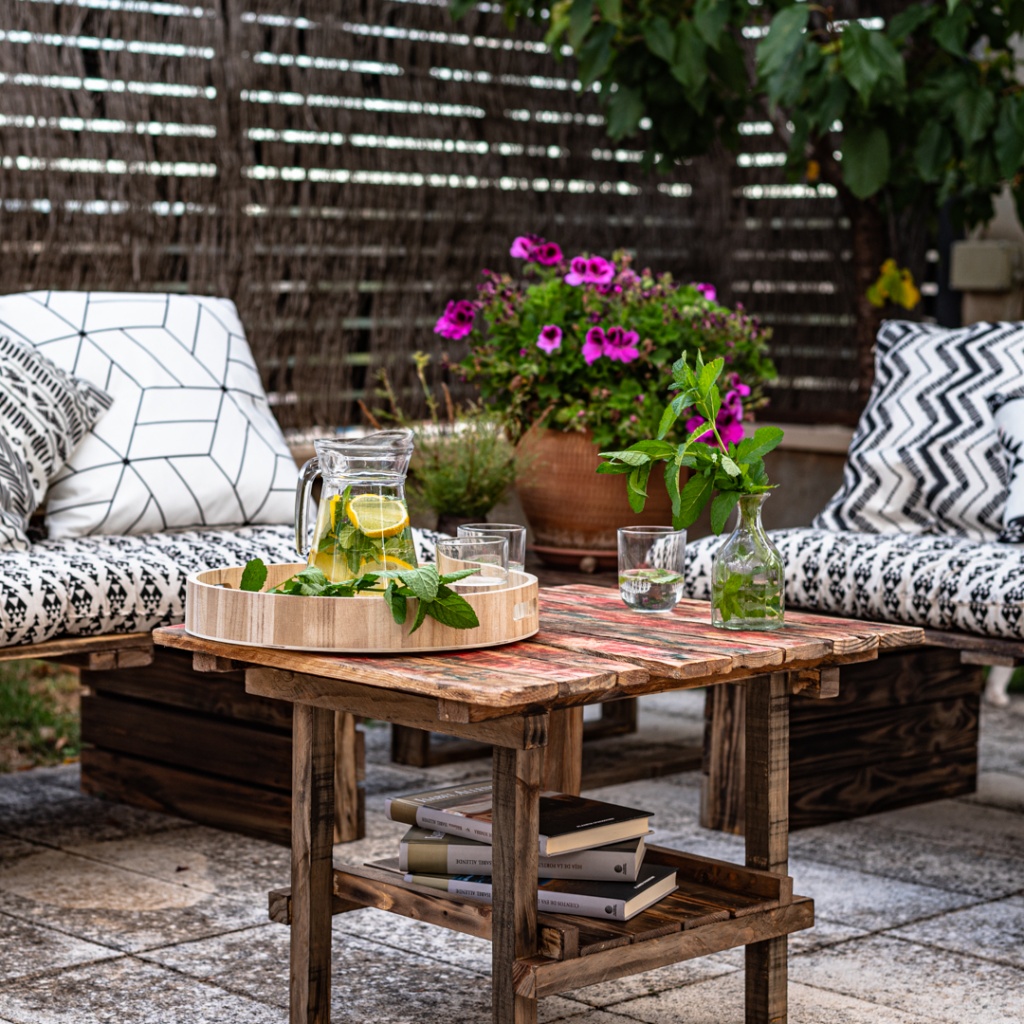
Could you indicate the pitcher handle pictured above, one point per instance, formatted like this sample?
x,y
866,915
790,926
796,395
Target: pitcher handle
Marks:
x,y
310,471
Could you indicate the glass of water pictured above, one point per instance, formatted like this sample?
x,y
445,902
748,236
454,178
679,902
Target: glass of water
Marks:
x,y
515,533
651,567
487,555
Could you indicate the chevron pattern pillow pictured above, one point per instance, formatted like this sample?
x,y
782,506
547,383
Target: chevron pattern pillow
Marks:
x,y
926,457
1008,411
190,439
44,414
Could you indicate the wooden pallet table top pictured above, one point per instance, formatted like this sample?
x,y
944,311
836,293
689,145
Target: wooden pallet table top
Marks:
x,y
590,648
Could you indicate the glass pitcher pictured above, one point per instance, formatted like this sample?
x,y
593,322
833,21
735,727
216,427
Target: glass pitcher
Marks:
x,y
362,521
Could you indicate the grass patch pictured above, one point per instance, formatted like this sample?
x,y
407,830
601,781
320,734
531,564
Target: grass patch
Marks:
x,y
39,723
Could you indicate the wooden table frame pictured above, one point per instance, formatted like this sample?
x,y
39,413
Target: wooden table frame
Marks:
x,y
524,718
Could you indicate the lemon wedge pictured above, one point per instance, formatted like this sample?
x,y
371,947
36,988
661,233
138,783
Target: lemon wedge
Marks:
x,y
376,516
390,563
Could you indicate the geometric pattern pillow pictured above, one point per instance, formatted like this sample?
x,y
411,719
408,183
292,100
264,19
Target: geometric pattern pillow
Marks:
x,y
1008,411
946,583
190,439
44,414
926,457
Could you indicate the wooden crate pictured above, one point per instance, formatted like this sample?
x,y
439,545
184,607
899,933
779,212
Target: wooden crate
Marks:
x,y
194,744
903,730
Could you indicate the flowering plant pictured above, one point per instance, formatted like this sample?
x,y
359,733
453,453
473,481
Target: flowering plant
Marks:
x,y
588,343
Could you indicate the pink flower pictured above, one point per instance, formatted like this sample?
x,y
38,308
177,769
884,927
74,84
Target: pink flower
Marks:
x,y
730,416
523,246
595,270
621,344
594,347
547,254
457,320
693,423
550,338
707,290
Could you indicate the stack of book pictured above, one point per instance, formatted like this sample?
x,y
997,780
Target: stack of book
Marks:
x,y
591,852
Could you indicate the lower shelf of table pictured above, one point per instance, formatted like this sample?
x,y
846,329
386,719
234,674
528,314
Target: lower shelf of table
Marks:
x,y
718,905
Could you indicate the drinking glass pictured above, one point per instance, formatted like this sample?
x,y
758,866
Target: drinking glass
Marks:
x,y
651,567
515,533
488,555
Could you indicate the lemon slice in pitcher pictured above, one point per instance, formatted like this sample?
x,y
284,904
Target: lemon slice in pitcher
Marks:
x,y
390,563
377,516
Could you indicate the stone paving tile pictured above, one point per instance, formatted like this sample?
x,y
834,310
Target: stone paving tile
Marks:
x,y
959,865
994,931
39,783
720,1001
916,979
126,990
671,807
26,948
11,848
109,905
999,789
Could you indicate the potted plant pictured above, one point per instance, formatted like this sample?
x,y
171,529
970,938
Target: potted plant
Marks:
x,y
462,464
574,354
747,582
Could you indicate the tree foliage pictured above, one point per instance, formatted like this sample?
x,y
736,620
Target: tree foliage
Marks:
x,y
917,104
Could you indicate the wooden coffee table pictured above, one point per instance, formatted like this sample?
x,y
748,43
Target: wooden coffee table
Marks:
x,y
527,699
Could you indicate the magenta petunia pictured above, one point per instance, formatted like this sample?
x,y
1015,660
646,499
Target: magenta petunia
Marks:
x,y
550,338
593,347
707,290
523,246
577,271
547,254
600,270
457,320
621,344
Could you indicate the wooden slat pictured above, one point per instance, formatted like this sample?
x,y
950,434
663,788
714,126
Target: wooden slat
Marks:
x,y
78,645
1012,649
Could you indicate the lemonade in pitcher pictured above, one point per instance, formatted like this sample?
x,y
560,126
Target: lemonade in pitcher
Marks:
x,y
362,522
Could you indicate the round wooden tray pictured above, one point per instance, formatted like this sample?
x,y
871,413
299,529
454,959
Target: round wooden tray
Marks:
x,y
215,609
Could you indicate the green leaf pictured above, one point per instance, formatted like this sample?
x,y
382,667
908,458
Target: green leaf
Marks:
x,y
668,420
865,159
709,374
765,439
933,152
710,18
973,112
421,614
1009,135
656,449
461,7
455,611
672,486
631,456
422,582
729,465
625,108
595,55
254,575
784,38
950,31
692,499
611,10
636,487
721,509
659,39
397,602
867,58
580,19
689,66
908,21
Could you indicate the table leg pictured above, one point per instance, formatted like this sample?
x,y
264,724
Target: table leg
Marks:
x,y
563,756
516,779
766,817
312,867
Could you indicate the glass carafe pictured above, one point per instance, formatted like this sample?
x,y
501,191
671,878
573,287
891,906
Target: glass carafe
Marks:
x,y
362,521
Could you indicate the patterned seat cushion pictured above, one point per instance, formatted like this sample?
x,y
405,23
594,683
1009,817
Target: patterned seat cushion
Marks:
x,y
946,583
90,586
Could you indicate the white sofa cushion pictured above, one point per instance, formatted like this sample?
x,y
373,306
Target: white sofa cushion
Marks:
x,y
190,439
124,584
945,583
44,414
1008,411
926,457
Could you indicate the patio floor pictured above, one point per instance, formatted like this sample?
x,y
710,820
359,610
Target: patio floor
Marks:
x,y
110,914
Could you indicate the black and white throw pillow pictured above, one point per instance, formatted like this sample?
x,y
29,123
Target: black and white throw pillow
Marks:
x,y
44,414
926,457
190,439
1008,411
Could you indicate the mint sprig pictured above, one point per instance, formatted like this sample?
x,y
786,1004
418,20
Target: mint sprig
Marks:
x,y
432,592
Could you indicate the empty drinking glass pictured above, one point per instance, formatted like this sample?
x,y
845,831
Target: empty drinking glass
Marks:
x,y
515,533
651,567
487,555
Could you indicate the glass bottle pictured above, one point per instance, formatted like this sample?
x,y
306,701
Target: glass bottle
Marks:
x,y
747,574
362,521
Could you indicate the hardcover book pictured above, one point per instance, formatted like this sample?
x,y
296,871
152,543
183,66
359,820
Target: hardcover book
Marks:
x,y
432,852
618,901
567,823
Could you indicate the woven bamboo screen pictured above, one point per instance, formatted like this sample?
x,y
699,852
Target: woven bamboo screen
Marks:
x,y
342,168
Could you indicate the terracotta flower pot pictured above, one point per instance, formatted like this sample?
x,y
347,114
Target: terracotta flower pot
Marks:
x,y
573,510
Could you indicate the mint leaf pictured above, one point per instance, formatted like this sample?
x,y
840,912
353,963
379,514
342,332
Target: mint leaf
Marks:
x,y
254,575
421,614
423,582
455,611
398,603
